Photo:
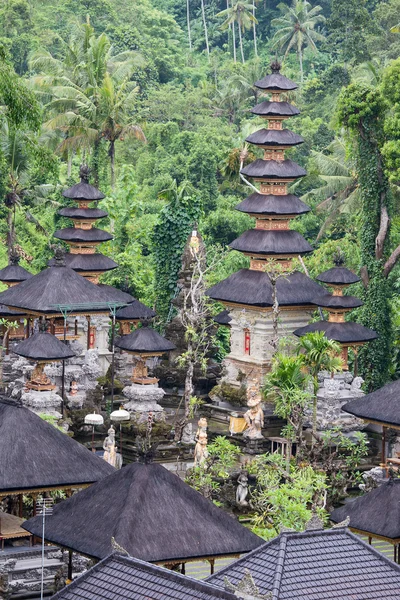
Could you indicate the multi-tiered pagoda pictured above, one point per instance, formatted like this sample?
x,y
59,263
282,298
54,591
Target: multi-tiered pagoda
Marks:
x,y
249,293
83,238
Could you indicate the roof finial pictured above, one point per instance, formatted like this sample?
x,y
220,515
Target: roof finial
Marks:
x,y
339,258
275,66
59,256
84,173
246,588
43,325
14,256
315,523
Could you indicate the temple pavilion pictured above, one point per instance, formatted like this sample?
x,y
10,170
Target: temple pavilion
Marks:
x,y
347,333
271,245
11,275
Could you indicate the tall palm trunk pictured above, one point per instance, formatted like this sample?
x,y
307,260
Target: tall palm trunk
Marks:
x,y
234,41
301,65
241,42
10,229
188,23
111,154
203,12
254,29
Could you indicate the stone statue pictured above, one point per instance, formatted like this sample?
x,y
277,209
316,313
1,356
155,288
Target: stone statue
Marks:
x,y
254,417
110,453
201,427
356,385
332,387
74,388
246,588
187,434
200,450
242,489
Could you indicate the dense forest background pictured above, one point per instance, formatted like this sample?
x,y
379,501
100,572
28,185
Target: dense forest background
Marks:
x,y
155,96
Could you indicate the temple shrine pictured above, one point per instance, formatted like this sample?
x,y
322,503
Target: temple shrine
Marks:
x,y
271,279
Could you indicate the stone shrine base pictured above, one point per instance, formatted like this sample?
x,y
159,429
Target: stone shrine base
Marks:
x,y
143,399
48,403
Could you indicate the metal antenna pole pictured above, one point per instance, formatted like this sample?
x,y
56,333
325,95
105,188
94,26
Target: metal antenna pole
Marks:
x,y
112,310
43,523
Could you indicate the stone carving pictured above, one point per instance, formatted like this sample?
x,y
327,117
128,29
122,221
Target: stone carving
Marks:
x,y
92,368
342,524
332,394
242,489
254,417
373,478
187,434
246,588
355,387
47,402
331,387
314,524
143,399
110,453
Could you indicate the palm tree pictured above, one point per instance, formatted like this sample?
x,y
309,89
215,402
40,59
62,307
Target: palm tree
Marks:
x,y
319,354
242,14
188,23
340,192
89,93
254,28
296,28
203,14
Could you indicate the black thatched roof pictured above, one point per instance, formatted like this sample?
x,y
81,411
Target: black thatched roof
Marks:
x,y
274,137
14,274
274,169
345,333
118,295
338,276
75,234
253,288
144,339
120,577
59,285
223,318
6,312
261,241
381,406
377,512
87,262
135,311
317,565
83,190
330,301
275,109
273,205
73,212
35,454
43,346
277,82
151,513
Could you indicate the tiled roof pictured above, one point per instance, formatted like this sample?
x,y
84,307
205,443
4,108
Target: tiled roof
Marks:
x,y
124,578
317,565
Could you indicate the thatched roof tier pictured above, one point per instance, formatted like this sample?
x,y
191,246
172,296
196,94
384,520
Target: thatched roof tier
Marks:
x,y
381,406
316,565
376,513
75,234
275,109
8,313
36,455
82,213
273,169
144,340
276,82
345,333
274,137
151,513
261,204
345,302
118,295
120,577
44,292
253,288
338,276
87,262
83,190
223,318
135,311
43,346
261,241
14,274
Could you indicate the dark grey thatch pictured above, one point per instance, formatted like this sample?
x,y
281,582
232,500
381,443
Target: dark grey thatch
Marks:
x,y
135,311
73,212
118,295
75,234
377,512
274,137
144,340
83,190
43,346
345,333
8,313
276,81
14,274
275,109
120,577
317,565
261,241
274,169
381,406
35,454
261,204
87,262
253,288
329,301
151,513
59,286
338,276
223,318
